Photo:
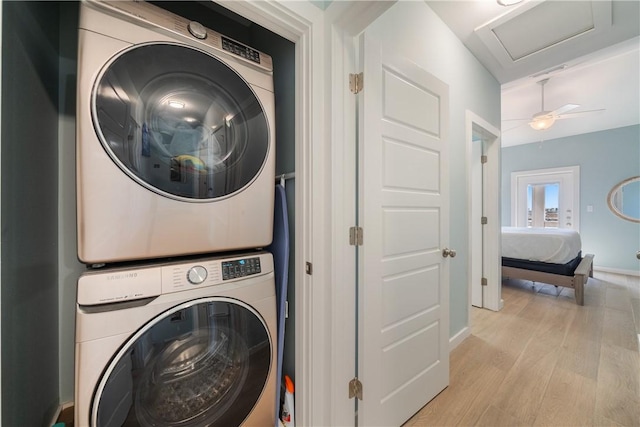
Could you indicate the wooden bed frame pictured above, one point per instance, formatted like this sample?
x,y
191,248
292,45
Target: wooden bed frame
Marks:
x,y
577,281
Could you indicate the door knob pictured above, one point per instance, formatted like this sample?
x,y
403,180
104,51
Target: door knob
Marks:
x,y
448,252
638,254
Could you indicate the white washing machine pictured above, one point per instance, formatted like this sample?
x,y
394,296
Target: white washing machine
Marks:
x,y
187,344
175,137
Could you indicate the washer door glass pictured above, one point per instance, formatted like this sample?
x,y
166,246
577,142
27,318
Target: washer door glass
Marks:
x,y
204,362
180,122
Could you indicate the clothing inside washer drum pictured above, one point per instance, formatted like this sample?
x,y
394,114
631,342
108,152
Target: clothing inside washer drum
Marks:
x,y
193,380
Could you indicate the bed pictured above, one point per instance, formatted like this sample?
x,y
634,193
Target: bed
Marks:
x,y
546,255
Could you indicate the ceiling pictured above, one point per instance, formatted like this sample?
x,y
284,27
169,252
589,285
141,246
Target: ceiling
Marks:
x,y
589,51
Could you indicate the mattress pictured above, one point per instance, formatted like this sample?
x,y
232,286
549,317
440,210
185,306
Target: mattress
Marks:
x,y
548,245
546,267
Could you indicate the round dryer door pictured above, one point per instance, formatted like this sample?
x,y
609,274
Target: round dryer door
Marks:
x,y
180,122
204,362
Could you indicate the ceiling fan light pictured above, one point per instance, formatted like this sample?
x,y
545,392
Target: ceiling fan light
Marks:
x,y
542,123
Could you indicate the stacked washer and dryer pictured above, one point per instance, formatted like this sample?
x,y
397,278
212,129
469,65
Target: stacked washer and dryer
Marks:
x,y
176,313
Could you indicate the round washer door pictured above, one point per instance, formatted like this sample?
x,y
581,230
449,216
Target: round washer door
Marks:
x,y
180,122
204,362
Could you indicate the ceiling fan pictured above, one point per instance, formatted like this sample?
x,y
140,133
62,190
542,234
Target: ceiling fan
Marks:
x,y
544,119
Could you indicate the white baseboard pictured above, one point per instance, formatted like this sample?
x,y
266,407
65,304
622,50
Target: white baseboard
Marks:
x,y
459,337
635,273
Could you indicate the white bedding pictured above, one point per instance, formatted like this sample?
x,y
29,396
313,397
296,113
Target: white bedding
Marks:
x,y
554,245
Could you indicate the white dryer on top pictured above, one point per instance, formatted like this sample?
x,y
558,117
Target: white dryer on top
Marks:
x,y
175,137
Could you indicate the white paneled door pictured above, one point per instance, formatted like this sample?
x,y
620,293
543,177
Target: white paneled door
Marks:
x,y
403,319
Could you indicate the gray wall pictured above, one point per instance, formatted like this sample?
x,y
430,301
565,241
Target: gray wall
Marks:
x,y
605,158
432,45
29,218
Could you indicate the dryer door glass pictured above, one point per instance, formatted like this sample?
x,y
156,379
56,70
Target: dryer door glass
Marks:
x,y
204,362
180,122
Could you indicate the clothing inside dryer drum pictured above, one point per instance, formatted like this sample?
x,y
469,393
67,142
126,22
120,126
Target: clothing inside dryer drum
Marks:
x,y
204,364
180,122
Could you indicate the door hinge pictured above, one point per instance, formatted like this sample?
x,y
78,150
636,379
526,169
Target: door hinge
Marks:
x,y
484,220
483,159
308,268
355,83
355,389
484,282
355,236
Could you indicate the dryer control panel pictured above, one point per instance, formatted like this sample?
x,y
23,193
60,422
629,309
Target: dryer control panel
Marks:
x,y
163,20
240,49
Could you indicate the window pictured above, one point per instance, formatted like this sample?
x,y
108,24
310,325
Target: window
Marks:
x,y
542,205
546,198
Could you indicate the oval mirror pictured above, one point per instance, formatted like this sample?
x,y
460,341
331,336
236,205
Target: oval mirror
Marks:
x,y
624,199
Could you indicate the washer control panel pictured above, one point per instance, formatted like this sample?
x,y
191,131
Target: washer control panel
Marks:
x,y
197,30
114,285
240,268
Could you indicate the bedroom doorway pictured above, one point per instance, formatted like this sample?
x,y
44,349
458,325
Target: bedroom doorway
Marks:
x,y
483,159
546,198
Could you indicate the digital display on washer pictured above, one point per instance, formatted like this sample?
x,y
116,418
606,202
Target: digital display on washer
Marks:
x,y
240,50
240,268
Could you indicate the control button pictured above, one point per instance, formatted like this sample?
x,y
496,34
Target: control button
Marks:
x,y
197,275
197,30
240,268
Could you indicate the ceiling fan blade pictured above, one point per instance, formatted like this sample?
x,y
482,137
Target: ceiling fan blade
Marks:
x,y
565,108
580,114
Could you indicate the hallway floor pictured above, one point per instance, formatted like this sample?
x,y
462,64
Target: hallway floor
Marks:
x,y
545,361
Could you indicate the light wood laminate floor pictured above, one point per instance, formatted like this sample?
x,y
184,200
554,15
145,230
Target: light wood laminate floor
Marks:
x,y
545,361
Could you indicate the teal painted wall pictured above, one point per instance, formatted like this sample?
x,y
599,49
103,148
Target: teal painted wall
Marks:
x,y
605,158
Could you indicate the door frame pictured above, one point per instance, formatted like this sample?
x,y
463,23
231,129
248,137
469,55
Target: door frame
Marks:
x,y
489,260
324,192
344,21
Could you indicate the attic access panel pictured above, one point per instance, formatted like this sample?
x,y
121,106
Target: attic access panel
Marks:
x,y
536,27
